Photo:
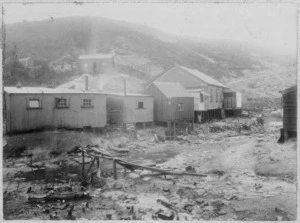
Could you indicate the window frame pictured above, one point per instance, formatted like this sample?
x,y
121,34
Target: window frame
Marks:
x,y
180,107
57,101
90,105
34,99
138,105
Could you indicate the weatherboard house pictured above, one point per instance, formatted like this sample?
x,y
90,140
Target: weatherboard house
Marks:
x,y
172,102
95,63
37,108
129,108
207,92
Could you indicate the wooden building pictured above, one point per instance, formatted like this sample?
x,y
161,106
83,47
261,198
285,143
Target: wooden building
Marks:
x,y
37,108
207,92
96,63
289,106
232,103
129,109
172,105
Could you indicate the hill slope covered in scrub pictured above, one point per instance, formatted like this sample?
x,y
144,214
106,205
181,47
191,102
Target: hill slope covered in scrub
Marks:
x,y
139,49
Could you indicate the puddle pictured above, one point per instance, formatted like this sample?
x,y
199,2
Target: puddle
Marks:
x,y
157,156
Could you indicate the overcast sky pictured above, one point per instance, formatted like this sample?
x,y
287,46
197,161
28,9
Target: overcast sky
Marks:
x,y
272,25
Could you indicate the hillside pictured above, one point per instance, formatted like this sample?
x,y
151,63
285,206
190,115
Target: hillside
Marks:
x,y
139,49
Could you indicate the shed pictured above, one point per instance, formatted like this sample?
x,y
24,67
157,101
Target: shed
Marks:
x,y
129,108
37,108
232,102
171,102
95,63
289,105
232,99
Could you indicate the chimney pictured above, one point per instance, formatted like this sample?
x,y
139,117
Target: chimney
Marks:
x,y
124,87
19,85
86,78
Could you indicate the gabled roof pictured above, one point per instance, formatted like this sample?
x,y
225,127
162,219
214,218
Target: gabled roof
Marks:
x,y
172,90
230,91
202,76
199,75
44,90
288,90
96,56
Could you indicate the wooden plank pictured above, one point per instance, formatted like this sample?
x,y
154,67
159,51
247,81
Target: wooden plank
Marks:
x,y
89,169
166,172
115,169
83,163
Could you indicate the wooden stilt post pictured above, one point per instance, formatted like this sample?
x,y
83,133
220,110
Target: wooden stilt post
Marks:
x,y
98,167
286,136
124,172
193,125
169,129
83,163
115,169
174,129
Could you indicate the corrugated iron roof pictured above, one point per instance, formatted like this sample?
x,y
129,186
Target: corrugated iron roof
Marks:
x,y
288,90
129,94
172,90
202,76
96,56
44,90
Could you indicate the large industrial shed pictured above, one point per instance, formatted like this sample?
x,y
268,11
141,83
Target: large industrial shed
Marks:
x,y
129,109
95,63
37,108
289,105
207,92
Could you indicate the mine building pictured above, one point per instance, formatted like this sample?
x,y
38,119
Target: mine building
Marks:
x,y
232,103
207,92
173,104
38,108
95,63
129,108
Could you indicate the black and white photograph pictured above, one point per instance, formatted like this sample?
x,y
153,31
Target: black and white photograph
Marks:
x,y
124,110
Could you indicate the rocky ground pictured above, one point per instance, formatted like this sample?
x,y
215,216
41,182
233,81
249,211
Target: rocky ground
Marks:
x,y
248,175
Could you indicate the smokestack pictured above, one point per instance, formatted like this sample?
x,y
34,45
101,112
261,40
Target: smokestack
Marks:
x,y
124,87
86,82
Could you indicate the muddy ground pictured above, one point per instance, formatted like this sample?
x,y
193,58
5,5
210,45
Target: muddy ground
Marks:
x,y
249,176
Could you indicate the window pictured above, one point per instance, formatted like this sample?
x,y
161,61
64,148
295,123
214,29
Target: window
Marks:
x,y
61,103
201,97
217,95
87,102
140,105
34,103
181,107
221,97
211,95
